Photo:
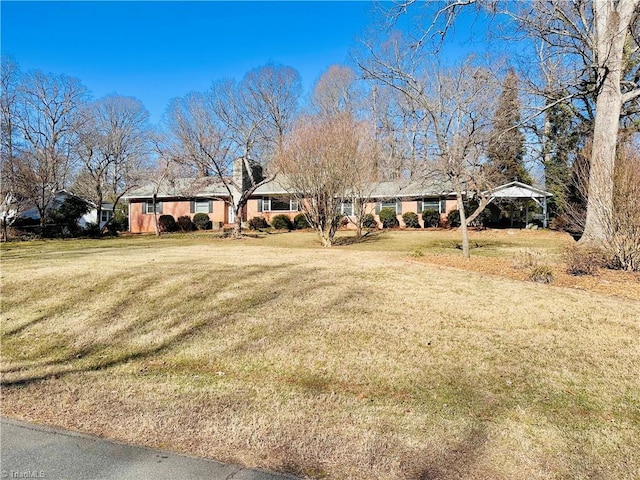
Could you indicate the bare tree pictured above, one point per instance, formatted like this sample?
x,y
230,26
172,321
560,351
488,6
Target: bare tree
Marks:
x,y
112,147
457,103
222,132
12,200
335,92
47,119
399,133
322,161
458,107
602,40
272,94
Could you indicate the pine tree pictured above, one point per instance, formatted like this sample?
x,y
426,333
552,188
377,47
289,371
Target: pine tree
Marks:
x,y
506,148
562,138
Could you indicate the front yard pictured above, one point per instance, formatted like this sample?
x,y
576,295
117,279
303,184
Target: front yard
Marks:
x,y
388,359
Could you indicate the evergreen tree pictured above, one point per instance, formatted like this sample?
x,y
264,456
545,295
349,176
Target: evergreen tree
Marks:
x,y
562,138
506,148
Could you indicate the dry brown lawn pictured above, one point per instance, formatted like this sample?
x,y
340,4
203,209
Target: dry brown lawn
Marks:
x,y
389,359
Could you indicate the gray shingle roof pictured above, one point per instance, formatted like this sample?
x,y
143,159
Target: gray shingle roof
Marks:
x,y
181,187
213,187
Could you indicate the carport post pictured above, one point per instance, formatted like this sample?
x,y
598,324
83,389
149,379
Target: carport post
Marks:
x,y
544,211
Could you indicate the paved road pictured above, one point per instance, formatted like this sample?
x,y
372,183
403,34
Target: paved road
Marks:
x,y
34,451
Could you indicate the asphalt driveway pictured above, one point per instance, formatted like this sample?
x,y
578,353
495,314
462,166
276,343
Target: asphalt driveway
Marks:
x,y
34,451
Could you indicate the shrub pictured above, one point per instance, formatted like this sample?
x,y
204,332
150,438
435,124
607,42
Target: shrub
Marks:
x,y
584,260
541,274
184,223
388,218
410,219
67,215
453,218
369,221
282,222
167,223
257,223
300,222
431,218
91,229
344,221
201,221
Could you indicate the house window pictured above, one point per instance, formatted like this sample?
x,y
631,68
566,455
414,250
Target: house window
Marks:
x,y
429,204
347,208
392,204
148,207
106,215
279,204
201,206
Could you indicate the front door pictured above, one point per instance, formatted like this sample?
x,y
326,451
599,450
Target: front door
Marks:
x,y
230,216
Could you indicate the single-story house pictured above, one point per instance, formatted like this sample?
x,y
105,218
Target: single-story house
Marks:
x,y
209,195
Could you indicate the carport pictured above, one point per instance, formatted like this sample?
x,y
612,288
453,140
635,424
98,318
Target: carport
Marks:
x,y
518,190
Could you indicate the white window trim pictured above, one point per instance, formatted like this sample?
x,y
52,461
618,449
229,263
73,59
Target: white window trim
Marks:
x,y
148,207
266,205
206,203
431,200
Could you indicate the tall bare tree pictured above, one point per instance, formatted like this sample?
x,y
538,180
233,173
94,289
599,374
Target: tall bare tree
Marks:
x,y
457,103
335,92
113,144
47,119
272,94
223,132
11,199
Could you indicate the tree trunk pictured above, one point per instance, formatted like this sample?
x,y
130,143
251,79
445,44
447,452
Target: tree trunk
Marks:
x,y
237,223
464,229
611,29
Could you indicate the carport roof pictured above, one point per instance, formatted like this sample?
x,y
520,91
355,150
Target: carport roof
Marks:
x,y
518,190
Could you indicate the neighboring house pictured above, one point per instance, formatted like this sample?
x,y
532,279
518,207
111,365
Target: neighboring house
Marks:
x,y
32,214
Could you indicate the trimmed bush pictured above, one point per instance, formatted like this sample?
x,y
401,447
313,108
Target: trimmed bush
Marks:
x,y
300,222
167,223
258,223
201,221
431,218
369,221
282,222
410,220
453,218
388,218
184,223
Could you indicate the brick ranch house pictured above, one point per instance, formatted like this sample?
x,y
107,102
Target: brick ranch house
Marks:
x,y
209,195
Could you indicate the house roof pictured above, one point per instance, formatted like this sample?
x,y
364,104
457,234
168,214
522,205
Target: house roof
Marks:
x,y
518,190
213,187
181,187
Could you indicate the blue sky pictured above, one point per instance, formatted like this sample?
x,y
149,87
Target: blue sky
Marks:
x,y
159,50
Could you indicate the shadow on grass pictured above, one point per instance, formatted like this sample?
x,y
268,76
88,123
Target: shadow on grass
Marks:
x,y
147,335
369,237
